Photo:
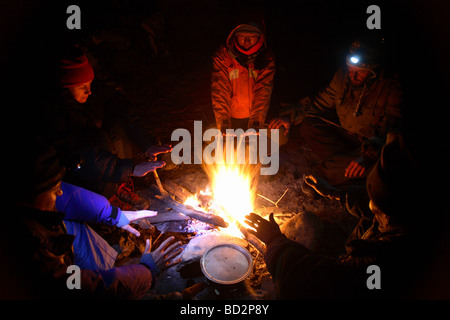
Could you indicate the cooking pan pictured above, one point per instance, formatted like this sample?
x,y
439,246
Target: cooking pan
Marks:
x,y
226,264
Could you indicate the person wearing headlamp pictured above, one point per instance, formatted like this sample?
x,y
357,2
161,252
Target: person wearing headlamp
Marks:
x,y
346,123
361,63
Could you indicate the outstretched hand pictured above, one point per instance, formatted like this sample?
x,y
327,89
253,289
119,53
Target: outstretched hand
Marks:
x,y
153,151
164,253
136,215
141,169
264,230
277,123
357,168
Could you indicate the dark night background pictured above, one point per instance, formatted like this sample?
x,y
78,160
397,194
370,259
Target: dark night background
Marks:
x,y
310,40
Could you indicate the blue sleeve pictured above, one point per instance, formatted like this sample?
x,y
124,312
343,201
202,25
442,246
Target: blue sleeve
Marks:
x,y
147,260
79,204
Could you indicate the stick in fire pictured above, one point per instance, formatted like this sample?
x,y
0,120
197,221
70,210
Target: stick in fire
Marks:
x,y
192,213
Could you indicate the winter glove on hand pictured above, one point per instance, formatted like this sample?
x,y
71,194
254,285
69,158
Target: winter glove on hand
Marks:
x,y
266,231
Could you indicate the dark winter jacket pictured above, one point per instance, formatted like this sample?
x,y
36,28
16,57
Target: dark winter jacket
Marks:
x,y
369,111
399,252
81,130
241,86
36,252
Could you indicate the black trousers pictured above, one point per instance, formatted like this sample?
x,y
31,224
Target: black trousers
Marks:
x,y
239,123
335,147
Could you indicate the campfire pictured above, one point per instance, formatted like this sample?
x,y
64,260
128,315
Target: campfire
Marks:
x,y
207,212
231,195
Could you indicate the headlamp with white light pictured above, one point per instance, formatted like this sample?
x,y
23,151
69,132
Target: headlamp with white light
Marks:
x,y
363,56
359,61
354,59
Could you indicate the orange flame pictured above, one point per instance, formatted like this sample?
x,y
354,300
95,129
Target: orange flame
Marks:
x,y
233,189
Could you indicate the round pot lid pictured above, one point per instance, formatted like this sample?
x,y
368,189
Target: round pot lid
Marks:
x,y
226,263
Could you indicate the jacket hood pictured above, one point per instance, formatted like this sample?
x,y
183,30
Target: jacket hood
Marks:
x,y
249,27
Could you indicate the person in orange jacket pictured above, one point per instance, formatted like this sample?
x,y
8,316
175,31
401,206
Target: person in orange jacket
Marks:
x,y
242,79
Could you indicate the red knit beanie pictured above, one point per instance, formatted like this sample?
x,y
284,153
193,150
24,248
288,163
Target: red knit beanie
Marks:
x,y
74,69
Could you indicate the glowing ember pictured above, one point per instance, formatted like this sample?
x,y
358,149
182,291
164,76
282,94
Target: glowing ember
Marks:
x,y
194,203
232,195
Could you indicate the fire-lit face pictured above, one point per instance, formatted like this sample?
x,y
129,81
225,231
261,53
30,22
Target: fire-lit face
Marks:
x,y
247,39
81,92
357,75
46,201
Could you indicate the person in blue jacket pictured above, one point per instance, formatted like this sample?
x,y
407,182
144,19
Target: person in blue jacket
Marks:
x,y
82,206
47,234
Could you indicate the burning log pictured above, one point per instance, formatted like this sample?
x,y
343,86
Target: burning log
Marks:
x,y
195,214
178,192
187,210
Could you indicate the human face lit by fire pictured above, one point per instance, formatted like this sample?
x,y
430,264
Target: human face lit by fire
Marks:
x,y
357,75
46,201
81,92
247,39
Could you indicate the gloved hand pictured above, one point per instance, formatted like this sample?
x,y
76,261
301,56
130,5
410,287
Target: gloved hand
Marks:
x,y
266,231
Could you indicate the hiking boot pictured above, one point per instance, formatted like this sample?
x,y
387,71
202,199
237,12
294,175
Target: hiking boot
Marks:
x,y
127,195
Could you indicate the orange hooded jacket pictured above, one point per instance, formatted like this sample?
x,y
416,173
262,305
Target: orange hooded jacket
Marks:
x,y
241,85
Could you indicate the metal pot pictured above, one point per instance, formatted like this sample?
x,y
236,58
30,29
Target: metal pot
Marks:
x,y
226,264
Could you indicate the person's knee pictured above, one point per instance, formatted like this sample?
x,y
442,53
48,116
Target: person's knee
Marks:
x,y
307,129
